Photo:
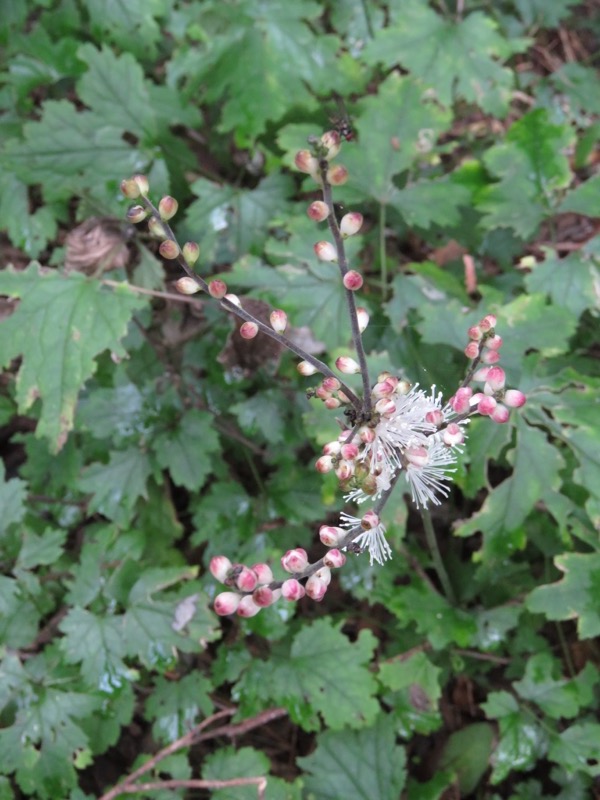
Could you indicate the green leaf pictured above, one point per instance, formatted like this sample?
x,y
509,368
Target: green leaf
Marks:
x,y
576,596
571,281
557,698
262,413
457,59
307,680
431,202
467,753
415,682
244,762
357,765
585,199
177,706
539,13
13,494
74,320
577,749
579,84
44,549
531,165
186,451
117,485
133,25
28,231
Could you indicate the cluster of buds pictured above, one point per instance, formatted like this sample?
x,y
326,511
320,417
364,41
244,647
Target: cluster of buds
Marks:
x,y
495,401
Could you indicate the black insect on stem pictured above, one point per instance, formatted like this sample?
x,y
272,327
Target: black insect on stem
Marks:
x,y
341,121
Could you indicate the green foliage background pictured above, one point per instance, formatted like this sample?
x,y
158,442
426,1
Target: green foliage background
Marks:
x,y
131,456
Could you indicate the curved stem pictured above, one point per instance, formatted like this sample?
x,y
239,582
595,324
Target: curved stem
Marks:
x,y
436,556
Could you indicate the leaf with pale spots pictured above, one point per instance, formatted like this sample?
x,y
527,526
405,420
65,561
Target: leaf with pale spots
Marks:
x,y
59,328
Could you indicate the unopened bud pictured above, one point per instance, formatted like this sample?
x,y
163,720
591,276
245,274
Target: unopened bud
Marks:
x,y
344,470
325,251
316,588
475,333
514,398
169,249
233,299
306,162
130,188
219,568
136,214
247,607
417,456
217,289
369,521
324,464
347,365
306,368
351,223
248,330
490,356
318,211
331,536
263,572
167,207
332,403
352,280
278,319
486,405
331,141
496,379
349,451
226,603
331,384
246,580
156,228
191,252
472,350
500,414
292,589
187,286
453,435
488,322
334,559
461,402
142,184
337,175
493,343
362,316
295,560
263,596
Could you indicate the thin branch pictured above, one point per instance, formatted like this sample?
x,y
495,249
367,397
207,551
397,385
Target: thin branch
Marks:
x,y
436,556
260,783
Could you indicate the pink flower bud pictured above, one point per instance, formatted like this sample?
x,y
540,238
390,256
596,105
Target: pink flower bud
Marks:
x,y
263,596
500,414
514,398
369,521
220,567
331,141
142,184
337,175
475,333
347,365
481,374
292,589
306,368
496,378
351,223
246,580
295,560
367,435
331,536
187,285
136,214
278,319
417,456
334,559
167,207
316,588
434,417
318,211
343,398
352,280
169,249
324,464
384,388
487,323
490,357
461,400
453,435
233,299
130,188
324,574
493,343
325,251
386,406
349,451
156,228
191,252
486,405
306,162
472,350
226,603
362,316
332,403
331,384
248,330
263,572
344,470
217,289
247,607
332,448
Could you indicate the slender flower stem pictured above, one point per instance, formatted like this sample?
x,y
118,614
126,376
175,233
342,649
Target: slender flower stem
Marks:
x,y
350,299
436,556
319,365
382,253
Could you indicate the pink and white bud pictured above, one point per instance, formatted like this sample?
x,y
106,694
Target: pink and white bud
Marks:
x,y
486,405
248,330
345,470
226,603
475,333
334,559
191,253
318,211
187,285
219,567
481,374
332,403
217,289
316,588
331,384
386,406
514,398
367,435
417,456
295,560
362,316
453,435
384,388
130,188
352,280
142,184
495,381
247,607
246,580
351,223
343,397
493,343
136,214
369,521
500,414
169,249
292,590
488,322
279,320
330,535
263,596
472,350
331,141
349,451
332,448
233,299
263,572
324,464
156,228
167,207
325,251
306,368
324,574
403,387
490,357
461,400
337,175
347,365
306,162
434,417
